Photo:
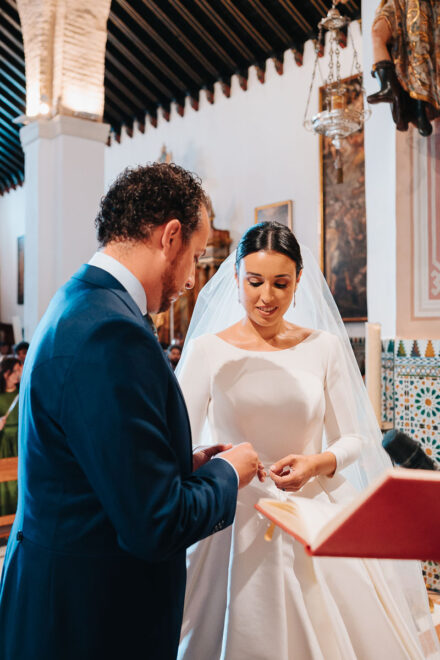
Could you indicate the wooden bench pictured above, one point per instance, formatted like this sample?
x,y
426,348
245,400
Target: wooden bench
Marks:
x,y
8,472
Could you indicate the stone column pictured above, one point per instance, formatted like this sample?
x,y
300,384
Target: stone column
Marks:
x,y
64,173
64,141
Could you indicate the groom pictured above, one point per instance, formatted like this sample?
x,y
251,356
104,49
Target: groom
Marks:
x,y
108,499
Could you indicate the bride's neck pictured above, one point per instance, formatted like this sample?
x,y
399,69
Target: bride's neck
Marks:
x,y
269,334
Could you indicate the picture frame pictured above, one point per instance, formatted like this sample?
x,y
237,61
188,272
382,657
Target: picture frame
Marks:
x,y
279,211
20,270
343,215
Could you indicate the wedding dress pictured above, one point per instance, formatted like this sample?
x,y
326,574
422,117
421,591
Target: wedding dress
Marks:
x,y
249,599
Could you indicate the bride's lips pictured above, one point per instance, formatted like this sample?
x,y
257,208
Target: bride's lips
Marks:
x,y
267,310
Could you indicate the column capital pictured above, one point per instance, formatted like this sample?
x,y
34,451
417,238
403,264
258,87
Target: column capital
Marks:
x,y
63,125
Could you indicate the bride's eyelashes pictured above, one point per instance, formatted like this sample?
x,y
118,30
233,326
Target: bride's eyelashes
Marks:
x,y
277,284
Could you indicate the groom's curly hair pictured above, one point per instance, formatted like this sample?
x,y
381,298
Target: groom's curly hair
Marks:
x,y
146,197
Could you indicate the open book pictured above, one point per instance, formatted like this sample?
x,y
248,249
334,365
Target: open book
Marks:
x,y
396,517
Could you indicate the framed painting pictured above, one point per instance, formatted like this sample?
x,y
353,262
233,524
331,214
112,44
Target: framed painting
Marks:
x,y
20,270
278,212
343,215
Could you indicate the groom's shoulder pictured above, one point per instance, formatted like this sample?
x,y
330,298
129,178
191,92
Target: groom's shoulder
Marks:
x,y
81,315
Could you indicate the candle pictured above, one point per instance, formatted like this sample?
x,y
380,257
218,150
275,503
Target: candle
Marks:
x,y
373,368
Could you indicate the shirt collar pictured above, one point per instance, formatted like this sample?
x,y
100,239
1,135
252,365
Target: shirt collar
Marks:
x,y
129,281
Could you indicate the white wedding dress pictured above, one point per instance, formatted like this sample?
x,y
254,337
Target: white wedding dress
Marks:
x,y
248,599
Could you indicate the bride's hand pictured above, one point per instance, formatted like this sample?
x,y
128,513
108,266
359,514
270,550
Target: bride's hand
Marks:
x,y
292,472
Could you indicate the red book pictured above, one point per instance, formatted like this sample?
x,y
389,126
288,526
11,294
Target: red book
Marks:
x,y
396,517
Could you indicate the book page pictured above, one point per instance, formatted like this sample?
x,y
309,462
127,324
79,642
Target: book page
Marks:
x,y
302,516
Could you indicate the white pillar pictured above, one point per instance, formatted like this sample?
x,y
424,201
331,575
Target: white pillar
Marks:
x,y
64,173
380,193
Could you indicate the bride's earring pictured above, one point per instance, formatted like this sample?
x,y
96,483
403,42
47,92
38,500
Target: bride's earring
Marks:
x,y
294,298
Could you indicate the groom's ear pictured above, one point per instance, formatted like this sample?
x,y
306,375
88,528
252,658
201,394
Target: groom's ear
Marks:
x,y
171,238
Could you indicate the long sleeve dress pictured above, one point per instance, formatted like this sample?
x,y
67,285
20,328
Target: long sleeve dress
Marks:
x,y
8,448
248,599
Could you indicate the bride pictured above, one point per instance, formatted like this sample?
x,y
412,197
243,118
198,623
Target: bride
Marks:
x,y
275,368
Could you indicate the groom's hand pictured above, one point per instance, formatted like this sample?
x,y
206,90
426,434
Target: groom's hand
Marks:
x,y
204,454
245,460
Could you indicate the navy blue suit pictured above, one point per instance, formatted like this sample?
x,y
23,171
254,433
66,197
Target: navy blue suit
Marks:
x,y
108,502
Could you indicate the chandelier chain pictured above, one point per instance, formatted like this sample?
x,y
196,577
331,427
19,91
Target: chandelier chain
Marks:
x,y
337,53
315,66
331,65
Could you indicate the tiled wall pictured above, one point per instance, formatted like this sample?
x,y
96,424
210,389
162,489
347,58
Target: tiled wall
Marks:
x,y
417,392
411,402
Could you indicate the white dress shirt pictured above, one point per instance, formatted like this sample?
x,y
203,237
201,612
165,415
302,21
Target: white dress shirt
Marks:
x,y
124,276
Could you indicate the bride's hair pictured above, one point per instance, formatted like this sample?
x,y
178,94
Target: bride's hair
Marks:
x,y
269,236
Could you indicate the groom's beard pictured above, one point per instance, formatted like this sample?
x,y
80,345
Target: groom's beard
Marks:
x,y
169,287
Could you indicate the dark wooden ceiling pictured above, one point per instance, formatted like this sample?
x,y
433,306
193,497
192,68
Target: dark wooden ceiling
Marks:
x,y
160,51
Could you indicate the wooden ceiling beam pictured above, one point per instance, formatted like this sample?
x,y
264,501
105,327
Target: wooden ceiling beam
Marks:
x,y
270,20
10,161
138,65
10,52
21,102
116,101
320,7
13,82
5,16
181,37
11,157
116,120
15,109
225,29
129,76
13,132
152,57
203,34
142,23
15,145
257,37
18,72
297,17
125,92
9,36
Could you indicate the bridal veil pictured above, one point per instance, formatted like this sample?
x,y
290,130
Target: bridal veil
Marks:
x,y
217,308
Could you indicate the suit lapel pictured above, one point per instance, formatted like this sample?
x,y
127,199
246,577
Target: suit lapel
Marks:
x,y
101,278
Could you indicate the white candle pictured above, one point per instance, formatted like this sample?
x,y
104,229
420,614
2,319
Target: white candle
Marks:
x,y
373,368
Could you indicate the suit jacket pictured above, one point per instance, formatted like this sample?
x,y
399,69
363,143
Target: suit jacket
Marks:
x,y
108,502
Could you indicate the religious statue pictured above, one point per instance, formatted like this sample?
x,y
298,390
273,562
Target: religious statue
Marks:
x,y
406,55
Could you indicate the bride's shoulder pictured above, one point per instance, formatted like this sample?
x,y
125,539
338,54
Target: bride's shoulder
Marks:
x,y
229,334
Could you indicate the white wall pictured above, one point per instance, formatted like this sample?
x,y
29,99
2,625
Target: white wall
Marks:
x,y
380,186
250,149
12,210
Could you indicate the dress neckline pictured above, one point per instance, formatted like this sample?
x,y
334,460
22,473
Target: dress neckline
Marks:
x,y
277,350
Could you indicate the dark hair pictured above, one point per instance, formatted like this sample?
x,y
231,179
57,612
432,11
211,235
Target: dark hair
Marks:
x,y
269,236
21,346
172,346
6,364
145,197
